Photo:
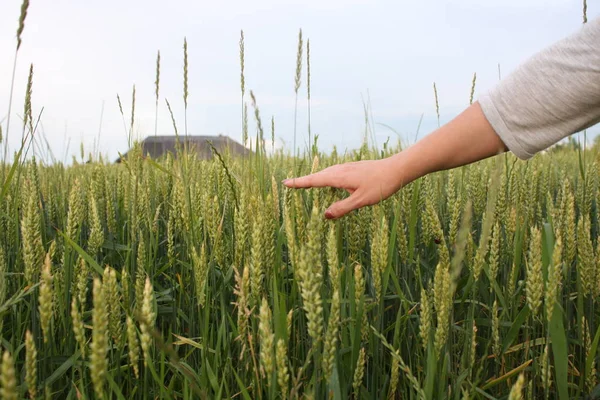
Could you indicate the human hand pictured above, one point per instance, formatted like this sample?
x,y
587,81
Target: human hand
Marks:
x,y
368,182
467,138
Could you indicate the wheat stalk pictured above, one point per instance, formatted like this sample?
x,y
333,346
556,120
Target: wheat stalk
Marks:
x,y
243,87
185,82
132,117
22,17
156,92
308,88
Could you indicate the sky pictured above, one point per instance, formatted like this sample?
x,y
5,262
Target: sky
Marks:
x,y
386,54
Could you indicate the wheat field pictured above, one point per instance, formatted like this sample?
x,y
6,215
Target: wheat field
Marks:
x,y
182,278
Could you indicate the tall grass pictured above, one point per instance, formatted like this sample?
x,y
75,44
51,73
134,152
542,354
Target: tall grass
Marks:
x,y
20,29
355,301
156,92
183,278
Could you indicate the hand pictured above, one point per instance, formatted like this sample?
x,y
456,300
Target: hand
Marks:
x,y
368,183
467,138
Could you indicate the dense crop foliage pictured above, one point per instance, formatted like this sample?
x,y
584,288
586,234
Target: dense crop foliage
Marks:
x,y
185,278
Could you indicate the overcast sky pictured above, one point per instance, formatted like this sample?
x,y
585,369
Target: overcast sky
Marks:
x,y
86,52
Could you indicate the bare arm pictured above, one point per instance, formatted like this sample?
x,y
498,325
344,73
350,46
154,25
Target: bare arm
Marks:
x,y
552,95
466,139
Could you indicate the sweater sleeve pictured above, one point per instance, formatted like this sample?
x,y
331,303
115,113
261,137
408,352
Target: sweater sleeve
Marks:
x,y
552,95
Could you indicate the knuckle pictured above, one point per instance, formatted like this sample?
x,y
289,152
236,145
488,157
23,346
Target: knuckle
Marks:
x,y
360,199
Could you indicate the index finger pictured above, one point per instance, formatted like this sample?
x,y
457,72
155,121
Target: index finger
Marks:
x,y
318,179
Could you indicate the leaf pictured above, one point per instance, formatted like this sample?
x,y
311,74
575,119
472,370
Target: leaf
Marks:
x,y
227,173
391,250
334,384
183,340
58,372
430,377
495,286
115,388
526,345
595,393
515,328
243,389
412,225
212,377
11,173
547,248
111,245
16,298
484,394
494,382
189,373
559,349
159,167
82,253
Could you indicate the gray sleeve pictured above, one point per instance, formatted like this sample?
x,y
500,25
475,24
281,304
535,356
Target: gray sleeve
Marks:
x,y
550,96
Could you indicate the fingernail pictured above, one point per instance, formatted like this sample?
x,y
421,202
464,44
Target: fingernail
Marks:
x,y
328,214
285,181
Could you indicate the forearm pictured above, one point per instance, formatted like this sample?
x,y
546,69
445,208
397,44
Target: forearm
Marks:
x,y
466,139
552,95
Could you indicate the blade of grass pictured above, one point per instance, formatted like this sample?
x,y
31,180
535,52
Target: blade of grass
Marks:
x,y
559,350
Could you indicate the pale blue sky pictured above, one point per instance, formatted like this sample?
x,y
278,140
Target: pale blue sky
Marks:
x,y
84,53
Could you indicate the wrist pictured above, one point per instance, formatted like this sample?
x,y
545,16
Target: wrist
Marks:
x,y
407,167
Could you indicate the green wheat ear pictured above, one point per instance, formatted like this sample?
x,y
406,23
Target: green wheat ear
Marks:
x,y
24,8
473,87
310,144
164,270
156,92
157,81
437,104
298,78
243,89
185,72
242,79
27,113
132,116
8,377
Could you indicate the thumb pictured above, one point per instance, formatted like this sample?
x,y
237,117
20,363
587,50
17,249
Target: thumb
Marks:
x,y
343,207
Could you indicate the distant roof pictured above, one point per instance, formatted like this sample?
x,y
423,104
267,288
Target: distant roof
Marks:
x,y
195,138
156,146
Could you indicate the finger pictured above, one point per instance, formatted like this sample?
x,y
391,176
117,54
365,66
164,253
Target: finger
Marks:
x,y
343,207
319,179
